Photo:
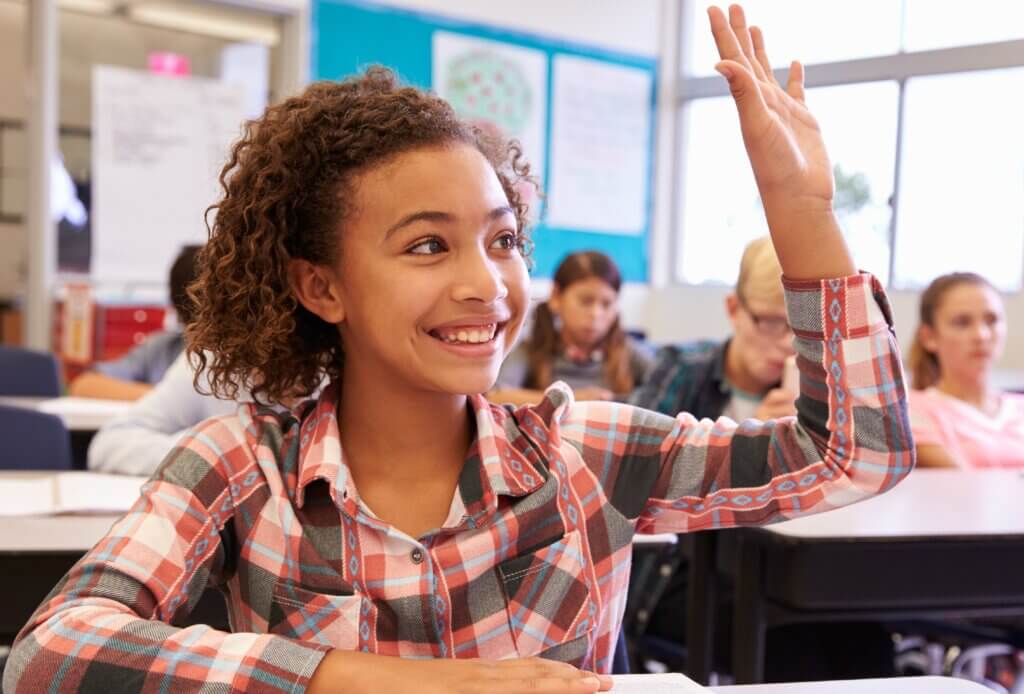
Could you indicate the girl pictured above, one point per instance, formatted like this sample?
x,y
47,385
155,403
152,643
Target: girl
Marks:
x,y
576,339
958,416
399,533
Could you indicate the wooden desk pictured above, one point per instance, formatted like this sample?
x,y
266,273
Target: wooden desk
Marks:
x,y
896,685
943,544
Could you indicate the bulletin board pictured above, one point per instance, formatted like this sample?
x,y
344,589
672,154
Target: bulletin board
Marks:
x,y
584,115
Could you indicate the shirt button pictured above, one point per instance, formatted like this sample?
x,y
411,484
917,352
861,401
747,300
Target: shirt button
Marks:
x,y
417,556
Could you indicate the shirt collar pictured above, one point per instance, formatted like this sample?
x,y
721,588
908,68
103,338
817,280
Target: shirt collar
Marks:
x,y
497,462
718,367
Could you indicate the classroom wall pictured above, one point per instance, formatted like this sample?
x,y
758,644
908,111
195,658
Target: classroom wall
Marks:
x,y
668,313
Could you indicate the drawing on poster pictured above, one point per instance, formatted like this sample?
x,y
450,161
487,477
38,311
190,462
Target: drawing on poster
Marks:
x,y
495,85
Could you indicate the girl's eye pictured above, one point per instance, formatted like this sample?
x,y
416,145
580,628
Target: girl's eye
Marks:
x,y
431,246
506,242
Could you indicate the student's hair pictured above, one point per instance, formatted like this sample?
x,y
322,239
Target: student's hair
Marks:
x,y
546,340
288,192
925,369
760,272
183,273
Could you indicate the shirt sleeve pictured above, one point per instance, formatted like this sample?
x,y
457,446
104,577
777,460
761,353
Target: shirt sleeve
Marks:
x,y
923,416
107,624
146,362
657,390
850,439
137,440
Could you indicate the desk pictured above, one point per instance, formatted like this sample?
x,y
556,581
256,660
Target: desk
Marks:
x,y
36,551
78,414
82,416
896,685
943,544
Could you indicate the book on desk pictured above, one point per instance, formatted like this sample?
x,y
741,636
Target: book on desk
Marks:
x,y
42,494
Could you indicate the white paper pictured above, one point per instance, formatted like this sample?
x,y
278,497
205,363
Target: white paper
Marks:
x,y
600,146
26,496
158,145
72,406
498,83
92,492
670,683
67,492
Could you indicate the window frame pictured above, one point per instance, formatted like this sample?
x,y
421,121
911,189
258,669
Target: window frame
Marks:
x,y
897,67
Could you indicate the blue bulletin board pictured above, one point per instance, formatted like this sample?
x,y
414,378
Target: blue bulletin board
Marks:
x,y
349,35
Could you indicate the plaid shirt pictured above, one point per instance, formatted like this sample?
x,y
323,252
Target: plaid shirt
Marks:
x,y
533,558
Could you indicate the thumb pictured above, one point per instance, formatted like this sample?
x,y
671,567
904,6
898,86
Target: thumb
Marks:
x,y
745,91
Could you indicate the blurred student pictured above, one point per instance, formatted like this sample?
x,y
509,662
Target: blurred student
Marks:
x,y
958,415
740,377
576,338
134,374
138,439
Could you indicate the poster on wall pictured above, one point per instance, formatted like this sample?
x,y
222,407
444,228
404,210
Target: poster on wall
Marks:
x,y
159,143
495,84
600,146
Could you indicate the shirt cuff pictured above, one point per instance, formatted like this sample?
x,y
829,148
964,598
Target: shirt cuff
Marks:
x,y
839,308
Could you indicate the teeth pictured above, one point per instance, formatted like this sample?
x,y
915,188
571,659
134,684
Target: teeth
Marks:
x,y
471,335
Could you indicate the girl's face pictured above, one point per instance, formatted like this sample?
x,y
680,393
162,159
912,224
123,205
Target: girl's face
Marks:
x,y
969,330
430,283
588,309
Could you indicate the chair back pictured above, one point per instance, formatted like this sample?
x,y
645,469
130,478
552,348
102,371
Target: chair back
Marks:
x,y
25,372
31,440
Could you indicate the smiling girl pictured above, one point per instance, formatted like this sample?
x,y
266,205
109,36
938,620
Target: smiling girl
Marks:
x,y
399,533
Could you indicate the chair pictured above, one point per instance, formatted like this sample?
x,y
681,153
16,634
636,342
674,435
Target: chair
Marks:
x,y
27,373
33,440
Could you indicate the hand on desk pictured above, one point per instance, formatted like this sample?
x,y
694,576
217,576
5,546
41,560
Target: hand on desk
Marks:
x,y
362,672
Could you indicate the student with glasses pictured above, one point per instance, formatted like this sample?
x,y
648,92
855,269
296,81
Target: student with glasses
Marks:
x,y
740,377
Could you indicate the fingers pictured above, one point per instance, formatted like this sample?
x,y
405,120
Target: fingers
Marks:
x,y
725,40
745,92
534,675
757,36
738,23
795,84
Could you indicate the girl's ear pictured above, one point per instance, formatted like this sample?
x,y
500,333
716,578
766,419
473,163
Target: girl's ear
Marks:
x,y
555,300
316,288
928,339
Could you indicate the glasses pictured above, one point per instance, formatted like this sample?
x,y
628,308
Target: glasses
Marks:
x,y
769,326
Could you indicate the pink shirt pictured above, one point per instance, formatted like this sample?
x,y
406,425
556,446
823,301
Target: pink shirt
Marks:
x,y
972,438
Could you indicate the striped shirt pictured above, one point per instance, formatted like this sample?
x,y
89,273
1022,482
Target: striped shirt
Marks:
x,y
534,556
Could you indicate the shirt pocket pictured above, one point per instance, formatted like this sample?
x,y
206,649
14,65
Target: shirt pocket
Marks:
x,y
549,599
338,621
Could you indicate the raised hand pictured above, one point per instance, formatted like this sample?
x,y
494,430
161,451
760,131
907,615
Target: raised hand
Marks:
x,y
786,151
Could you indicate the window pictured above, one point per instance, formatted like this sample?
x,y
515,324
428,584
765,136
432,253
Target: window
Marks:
x,y
813,31
962,188
921,116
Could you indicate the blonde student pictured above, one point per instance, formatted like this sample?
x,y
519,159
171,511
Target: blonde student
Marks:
x,y
576,339
399,533
959,416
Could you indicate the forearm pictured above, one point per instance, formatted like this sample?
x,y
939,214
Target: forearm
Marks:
x,y
95,385
808,240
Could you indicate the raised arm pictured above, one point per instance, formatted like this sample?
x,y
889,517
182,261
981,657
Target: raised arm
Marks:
x,y
786,152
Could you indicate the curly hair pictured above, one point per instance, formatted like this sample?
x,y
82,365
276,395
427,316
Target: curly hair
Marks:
x,y
288,190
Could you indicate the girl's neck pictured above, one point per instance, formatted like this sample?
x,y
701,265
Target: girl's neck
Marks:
x,y
401,435
567,342
976,391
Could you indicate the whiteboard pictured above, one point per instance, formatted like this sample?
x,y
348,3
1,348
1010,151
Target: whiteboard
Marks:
x,y
159,143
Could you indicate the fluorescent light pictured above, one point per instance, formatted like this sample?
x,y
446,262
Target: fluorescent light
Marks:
x,y
208,22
